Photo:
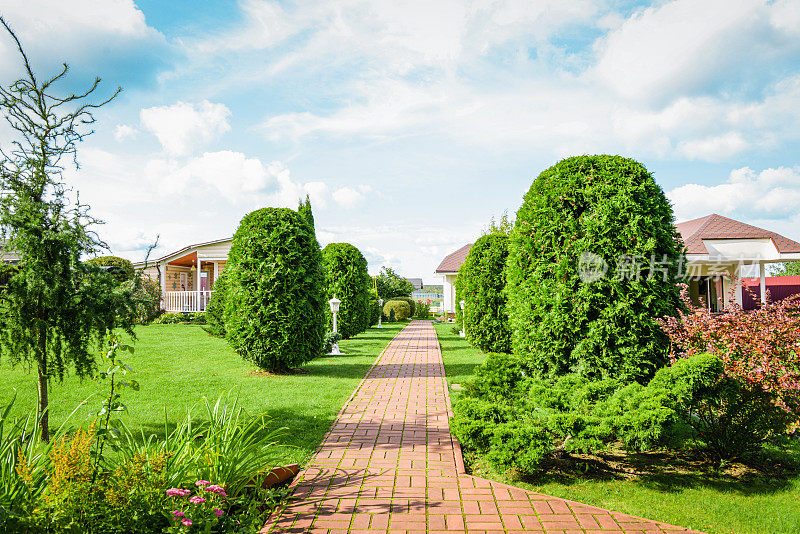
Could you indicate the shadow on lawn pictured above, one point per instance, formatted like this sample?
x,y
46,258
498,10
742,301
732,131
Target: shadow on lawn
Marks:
x,y
764,474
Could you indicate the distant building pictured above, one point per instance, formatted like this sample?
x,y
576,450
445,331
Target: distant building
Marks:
x,y
416,282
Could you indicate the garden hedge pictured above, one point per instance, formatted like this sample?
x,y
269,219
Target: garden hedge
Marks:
x,y
412,304
401,309
584,211
124,268
481,284
275,298
347,279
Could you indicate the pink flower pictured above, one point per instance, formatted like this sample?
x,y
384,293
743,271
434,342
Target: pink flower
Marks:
x,y
219,490
178,513
202,483
197,500
186,522
177,492
218,512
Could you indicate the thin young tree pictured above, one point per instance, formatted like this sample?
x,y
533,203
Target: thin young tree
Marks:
x,y
55,308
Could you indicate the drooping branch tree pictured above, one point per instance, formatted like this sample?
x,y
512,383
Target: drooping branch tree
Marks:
x,y
54,306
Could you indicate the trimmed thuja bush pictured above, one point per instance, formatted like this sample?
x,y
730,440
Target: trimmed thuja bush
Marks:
x,y
348,280
582,292
481,283
275,299
397,310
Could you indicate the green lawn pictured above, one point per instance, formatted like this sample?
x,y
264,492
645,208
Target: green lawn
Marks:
x,y
716,504
178,364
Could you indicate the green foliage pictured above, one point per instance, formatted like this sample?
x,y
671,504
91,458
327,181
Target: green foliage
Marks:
x,y
348,280
304,209
216,307
145,294
331,338
422,310
502,227
481,284
181,318
412,304
520,422
391,285
397,310
120,268
275,304
791,268
55,306
375,310
611,207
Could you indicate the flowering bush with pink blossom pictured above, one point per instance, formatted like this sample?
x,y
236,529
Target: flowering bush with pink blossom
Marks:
x,y
757,396
201,512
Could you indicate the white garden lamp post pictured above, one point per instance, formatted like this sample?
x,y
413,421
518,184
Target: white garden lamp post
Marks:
x,y
463,332
380,315
334,303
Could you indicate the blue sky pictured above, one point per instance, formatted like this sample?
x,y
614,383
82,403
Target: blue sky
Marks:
x,y
411,124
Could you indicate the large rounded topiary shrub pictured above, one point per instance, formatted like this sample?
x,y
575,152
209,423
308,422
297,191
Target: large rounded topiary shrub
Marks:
x,y
481,283
274,297
567,311
347,279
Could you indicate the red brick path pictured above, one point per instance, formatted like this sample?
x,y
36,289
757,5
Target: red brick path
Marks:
x,y
390,465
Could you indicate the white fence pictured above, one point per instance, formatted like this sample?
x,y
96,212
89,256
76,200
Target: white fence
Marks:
x,y
186,301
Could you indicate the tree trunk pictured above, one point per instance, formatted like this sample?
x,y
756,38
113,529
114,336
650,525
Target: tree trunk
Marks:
x,y
43,413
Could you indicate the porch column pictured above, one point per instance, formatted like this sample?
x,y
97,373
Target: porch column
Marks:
x,y
162,275
738,281
197,281
762,280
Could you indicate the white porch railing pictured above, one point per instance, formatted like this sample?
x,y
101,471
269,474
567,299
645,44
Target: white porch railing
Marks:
x,y
186,301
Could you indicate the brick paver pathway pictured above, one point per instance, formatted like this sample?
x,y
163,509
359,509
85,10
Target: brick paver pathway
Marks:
x,y
390,465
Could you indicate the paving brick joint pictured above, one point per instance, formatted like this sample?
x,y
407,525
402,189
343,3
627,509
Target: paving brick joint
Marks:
x,y
390,465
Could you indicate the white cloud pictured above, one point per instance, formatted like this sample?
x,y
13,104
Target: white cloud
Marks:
x,y
71,29
123,132
717,148
348,197
683,46
183,128
772,193
230,174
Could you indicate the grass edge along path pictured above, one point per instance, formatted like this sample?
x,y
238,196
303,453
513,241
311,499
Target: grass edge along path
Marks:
x,y
177,365
716,506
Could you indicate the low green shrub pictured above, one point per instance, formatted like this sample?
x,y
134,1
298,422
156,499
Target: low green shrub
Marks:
x,y
181,318
216,308
423,310
520,422
412,304
399,308
391,318
146,298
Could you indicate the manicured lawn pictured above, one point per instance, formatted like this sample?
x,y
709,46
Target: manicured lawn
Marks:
x,y
176,365
716,503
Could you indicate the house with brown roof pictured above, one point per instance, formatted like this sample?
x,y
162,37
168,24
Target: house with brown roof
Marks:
x,y
719,252
187,275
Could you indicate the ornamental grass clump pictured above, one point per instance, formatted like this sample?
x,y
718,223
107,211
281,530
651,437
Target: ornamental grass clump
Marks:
x,y
585,216
275,298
